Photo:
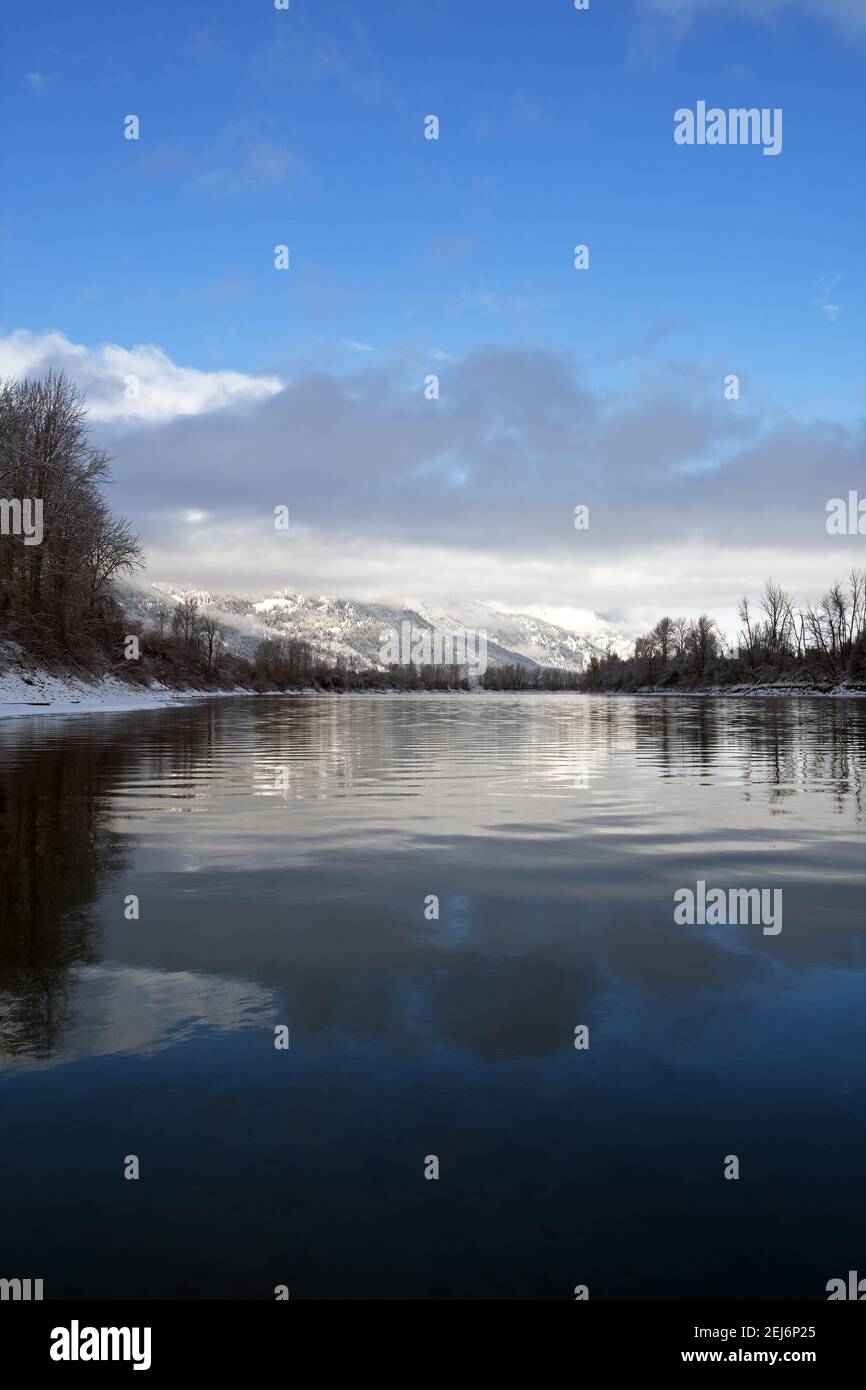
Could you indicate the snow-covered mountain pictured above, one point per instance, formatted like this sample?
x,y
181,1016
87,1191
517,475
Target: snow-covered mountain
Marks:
x,y
532,640
352,629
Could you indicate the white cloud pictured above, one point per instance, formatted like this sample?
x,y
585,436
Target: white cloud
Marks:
x,y
490,302
691,502
135,384
262,164
39,82
849,15
824,289
633,587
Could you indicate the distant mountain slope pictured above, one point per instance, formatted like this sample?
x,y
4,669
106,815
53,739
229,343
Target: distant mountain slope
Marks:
x,y
538,643
352,629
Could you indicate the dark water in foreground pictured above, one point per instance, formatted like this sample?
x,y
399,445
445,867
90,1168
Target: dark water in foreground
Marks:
x,y
555,831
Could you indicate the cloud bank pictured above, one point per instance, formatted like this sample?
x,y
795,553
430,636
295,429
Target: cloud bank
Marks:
x,y
691,497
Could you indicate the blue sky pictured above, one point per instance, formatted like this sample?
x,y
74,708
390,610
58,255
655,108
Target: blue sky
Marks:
x,y
305,127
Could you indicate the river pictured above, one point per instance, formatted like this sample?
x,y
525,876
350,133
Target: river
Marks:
x,y
458,912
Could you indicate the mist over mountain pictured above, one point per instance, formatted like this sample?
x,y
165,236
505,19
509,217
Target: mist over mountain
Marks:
x,y
351,629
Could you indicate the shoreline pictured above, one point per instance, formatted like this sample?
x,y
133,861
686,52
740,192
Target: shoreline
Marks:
x,y
742,692
19,697
31,692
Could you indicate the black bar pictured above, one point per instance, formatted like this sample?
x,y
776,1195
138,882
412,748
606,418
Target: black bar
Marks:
x,y
226,1338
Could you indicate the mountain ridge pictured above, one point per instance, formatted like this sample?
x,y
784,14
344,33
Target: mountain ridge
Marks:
x,y
351,629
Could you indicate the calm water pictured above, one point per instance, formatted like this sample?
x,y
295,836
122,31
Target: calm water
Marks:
x,y
554,831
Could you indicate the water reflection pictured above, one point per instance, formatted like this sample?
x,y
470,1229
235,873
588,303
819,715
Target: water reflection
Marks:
x,y
57,844
292,842
282,852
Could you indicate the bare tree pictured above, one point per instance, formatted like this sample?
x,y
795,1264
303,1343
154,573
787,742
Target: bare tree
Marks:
x,y
703,642
186,622
212,634
664,637
747,637
112,549
59,586
776,606
680,630
161,615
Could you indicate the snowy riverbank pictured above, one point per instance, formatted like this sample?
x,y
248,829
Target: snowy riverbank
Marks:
x,y
760,692
24,693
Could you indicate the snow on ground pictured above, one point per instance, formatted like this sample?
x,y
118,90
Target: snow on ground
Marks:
x,y
28,691
801,692
36,692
